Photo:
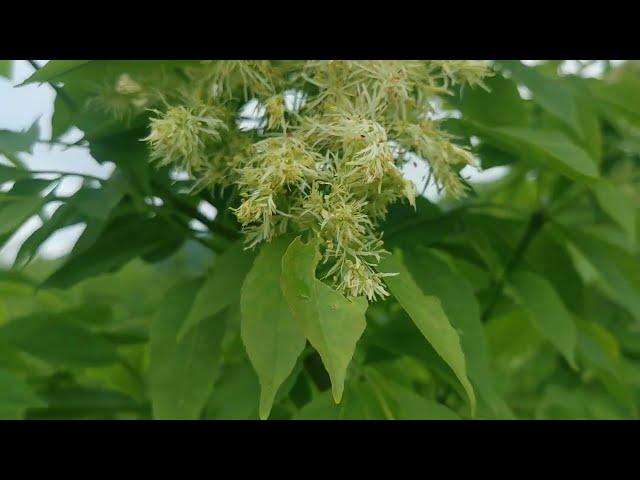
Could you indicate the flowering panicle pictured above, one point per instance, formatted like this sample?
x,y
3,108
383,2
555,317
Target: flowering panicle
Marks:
x,y
328,167
180,135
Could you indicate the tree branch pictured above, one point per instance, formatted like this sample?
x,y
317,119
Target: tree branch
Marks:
x,y
536,222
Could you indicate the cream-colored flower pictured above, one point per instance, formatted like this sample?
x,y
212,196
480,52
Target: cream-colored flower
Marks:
x,y
328,169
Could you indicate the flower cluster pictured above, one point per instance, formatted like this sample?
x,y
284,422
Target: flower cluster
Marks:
x,y
327,165
180,135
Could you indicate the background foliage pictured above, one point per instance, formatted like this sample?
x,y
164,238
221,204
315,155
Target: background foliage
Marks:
x,y
521,300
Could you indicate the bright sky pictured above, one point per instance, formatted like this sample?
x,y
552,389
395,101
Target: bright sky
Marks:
x,y
20,107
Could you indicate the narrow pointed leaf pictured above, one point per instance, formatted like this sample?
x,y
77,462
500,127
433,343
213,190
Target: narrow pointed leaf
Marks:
x,y
222,286
428,315
332,323
546,311
273,339
182,374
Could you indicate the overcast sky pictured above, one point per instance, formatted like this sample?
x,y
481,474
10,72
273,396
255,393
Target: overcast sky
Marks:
x,y
19,108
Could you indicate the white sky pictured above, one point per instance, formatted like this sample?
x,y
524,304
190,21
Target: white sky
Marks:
x,y
20,107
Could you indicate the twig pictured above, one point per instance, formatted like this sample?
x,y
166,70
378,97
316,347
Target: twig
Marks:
x,y
536,222
67,174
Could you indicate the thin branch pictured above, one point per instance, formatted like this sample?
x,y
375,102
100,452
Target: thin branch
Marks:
x,y
64,144
67,174
536,222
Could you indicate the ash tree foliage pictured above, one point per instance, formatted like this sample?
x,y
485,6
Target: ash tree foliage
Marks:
x,y
326,285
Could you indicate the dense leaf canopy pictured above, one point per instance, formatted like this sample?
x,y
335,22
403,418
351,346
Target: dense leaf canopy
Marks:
x,y
327,286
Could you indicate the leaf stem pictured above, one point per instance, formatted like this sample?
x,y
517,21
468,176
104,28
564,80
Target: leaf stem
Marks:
x,y
536,222
67,174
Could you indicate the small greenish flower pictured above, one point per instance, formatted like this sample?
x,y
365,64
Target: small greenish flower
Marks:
x,y
180,134
328,169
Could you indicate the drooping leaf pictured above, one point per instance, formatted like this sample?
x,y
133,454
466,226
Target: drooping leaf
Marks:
x,y
411,406
76,400
617,205
14,211
14,142
551,94
222,286
182,373
332,323
54,70
64,216
99,202
428,315
405,404
401,337
122,240
546,311
611,270
601,351
16,396
125,149
546,148
436,278
236,395
321,407
9,173
272,337
620,96
57,340
501,105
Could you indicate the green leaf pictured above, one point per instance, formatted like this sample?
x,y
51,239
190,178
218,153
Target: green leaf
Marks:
x,y
428,315
272,337
222,286
332,323
546,311
15,396
31,187
64,216
123,240
361,402
600,350
5,68
501,105
405,404
617,205
58,340
99,202
590,126
599,347
435,278
53,70
321,407
611,270
125,149
236,394
14,142
621,96
550,93
69,401
182,374
89,71
16,210
62,118
402,337
411,406
550,149
8,173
